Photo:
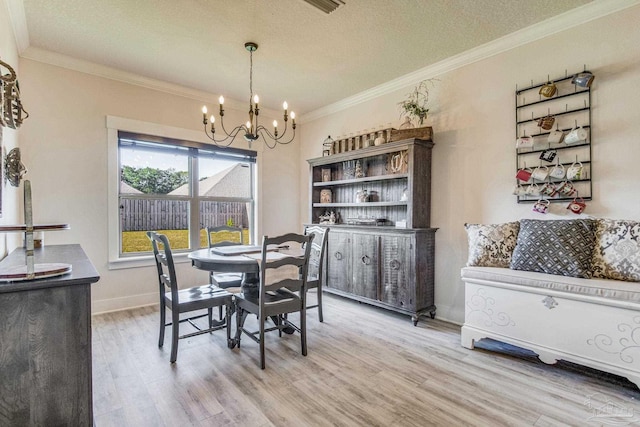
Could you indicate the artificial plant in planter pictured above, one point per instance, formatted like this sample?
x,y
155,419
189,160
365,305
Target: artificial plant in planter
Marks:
x,y
414,108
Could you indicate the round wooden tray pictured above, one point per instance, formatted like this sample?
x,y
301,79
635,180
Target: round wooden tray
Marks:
x,y
42,271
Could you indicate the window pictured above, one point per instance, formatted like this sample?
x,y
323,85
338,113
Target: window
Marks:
x,y
179,187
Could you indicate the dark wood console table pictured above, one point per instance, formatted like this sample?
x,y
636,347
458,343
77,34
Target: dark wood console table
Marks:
x,y
45,342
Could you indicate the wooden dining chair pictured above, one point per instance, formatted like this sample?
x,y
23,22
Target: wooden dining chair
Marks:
x,y
281,290
317,263
185,300
230,236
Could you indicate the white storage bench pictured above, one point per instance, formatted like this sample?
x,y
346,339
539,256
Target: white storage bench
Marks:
x,y
565,289
592,322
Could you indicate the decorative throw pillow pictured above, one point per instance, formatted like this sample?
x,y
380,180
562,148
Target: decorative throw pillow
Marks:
x,y
563,247
617,252
491,245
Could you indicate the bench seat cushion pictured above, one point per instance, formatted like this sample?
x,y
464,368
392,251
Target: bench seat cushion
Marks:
x,y
611,289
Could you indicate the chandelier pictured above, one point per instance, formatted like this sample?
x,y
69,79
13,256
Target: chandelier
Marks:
x,y
251,130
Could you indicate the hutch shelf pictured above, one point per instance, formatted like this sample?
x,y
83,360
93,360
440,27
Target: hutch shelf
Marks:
x,y
381,246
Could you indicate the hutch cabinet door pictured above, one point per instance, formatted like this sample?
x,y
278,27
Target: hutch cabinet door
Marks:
x,y
365,265
338,261
397,284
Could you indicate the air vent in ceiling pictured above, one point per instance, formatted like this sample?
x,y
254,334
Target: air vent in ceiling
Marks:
x,y
327,6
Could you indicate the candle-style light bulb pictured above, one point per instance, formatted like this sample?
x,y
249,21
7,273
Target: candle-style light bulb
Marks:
x,y
213,119
293,115
221,100
256,99
204,114
285,105
275,124
248,125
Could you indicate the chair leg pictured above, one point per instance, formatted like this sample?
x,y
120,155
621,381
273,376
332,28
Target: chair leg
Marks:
x,y
163,321
210,316
228,321
175,333
303,330
220,312
262,361
239,323
320,318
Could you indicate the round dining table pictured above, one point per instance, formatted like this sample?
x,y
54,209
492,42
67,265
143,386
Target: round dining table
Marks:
x,y
206,259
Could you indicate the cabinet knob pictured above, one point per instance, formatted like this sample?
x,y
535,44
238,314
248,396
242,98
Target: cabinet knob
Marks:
x,y
366,260
394,264
338,255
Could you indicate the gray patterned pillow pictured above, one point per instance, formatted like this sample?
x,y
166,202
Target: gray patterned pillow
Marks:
x,y
617,252
563,247
491,245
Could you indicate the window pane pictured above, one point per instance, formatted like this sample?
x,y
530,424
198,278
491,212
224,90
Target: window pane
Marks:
x,y
213,214
223,178
137,216
148,168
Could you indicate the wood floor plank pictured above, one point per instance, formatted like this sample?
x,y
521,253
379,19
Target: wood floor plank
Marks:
x,y
365,367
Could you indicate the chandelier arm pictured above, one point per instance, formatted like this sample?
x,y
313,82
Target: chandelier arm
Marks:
x,y
289,141
235,129
271,147
219,142
277,140
282,135
229,136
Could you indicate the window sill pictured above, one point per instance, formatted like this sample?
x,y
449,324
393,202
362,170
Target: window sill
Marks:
x,y
144,261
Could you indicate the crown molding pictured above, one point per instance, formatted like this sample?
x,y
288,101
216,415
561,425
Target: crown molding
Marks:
x,y
554,25
19,23
91,68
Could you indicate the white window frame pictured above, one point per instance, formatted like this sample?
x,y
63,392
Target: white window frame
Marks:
x,y
114,125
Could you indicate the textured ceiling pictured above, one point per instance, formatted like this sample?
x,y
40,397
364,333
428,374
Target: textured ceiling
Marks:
x,y
305,56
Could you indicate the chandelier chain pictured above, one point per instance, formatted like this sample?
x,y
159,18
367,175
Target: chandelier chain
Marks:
x,y
250,75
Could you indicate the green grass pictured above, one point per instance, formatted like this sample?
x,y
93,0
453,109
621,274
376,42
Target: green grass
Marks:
x,y
137,241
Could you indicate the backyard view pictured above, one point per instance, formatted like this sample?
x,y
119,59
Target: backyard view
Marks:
x,y
137,241
157,193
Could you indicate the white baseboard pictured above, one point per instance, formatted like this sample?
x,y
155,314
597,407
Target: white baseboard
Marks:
x,y
123,303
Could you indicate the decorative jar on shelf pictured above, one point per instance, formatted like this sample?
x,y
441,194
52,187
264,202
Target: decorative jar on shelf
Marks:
x,y
325,196
362,196
379,139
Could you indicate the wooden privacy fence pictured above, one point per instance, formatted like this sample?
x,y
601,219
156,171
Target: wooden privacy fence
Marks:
x,y
144,214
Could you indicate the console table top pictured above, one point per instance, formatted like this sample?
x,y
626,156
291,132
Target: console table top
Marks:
x,y
82,271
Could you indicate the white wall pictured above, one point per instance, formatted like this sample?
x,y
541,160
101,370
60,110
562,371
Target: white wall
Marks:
x,y
474,131
64,145
11,198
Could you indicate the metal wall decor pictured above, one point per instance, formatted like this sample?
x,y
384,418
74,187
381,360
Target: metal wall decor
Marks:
x,y
553,140
14,169
11,110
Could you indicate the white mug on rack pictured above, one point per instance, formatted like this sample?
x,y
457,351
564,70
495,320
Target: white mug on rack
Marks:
x,y
556,136
575,171
524,142
576,135
557,171
540,173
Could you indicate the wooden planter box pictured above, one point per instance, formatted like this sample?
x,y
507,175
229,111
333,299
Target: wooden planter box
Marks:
x,y
420,133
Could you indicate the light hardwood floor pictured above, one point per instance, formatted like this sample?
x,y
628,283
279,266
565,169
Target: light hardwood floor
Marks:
x,y
365,367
